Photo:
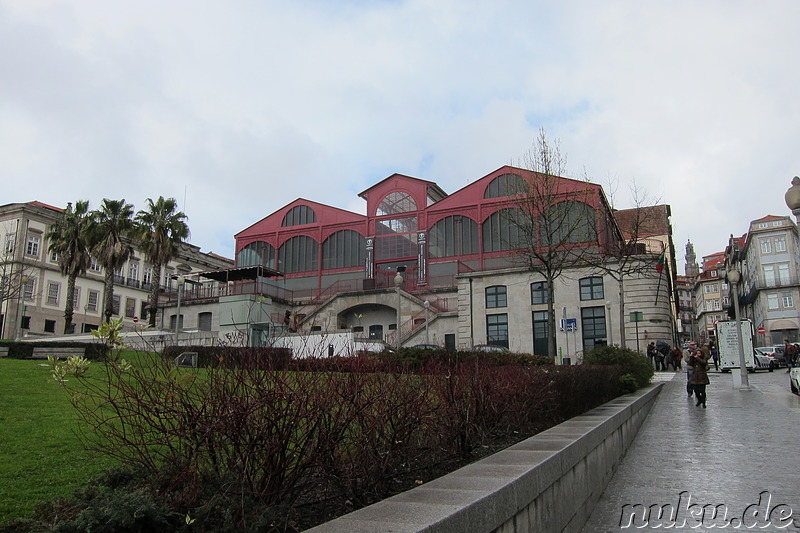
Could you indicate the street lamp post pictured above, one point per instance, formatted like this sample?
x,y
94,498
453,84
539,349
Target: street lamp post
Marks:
x,y
610,327
181,280
398,281
733,278
792,198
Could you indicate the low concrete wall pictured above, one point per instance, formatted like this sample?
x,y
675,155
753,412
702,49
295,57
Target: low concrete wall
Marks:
x,y
549,482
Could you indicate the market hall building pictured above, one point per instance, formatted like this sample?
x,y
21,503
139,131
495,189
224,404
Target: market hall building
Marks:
x,y
446,265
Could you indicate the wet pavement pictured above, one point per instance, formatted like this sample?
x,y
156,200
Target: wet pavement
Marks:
x,y
740,458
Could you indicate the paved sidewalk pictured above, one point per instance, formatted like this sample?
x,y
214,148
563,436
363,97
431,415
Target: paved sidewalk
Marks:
x,y
742,453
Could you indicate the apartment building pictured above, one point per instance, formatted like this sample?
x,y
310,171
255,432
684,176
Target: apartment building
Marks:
x,y
768,259
32,288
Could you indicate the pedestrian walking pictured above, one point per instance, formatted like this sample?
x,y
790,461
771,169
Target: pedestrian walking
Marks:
x,y
689,370
677,357
699,364
789,353
715,356
651,353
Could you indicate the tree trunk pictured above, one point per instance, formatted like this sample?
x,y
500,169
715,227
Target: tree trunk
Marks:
x,y
69,304
108,297
152,300
551,319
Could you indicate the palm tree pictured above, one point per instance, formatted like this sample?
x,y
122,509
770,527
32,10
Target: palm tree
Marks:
x,y
161,229
109,232
67,237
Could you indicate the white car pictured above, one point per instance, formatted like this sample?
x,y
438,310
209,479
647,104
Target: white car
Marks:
x,y
763,362
761,353
794,380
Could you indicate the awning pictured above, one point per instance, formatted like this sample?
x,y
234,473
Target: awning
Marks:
x,y
782,323
240,273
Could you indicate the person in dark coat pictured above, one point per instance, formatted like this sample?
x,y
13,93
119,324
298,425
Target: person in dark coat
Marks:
x,y
699,365
689,352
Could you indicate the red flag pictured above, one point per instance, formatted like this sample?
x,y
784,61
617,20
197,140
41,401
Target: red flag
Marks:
x,y
660,263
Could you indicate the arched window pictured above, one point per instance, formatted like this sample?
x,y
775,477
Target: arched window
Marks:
x,y
345,248
396,202
453,235
501,231
505,185
299,254
568,222
298,215
257,253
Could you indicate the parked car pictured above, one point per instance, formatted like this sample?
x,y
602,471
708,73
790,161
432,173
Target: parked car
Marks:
x,y
776,352
427,347
489,348
763,362
794,380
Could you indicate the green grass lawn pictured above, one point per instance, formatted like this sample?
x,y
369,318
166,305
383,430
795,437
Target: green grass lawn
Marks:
x,y
40,454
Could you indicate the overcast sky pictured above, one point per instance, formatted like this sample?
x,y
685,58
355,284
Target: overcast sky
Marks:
x,y
237,108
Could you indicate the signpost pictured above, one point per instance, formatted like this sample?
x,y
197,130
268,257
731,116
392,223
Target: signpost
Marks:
x,y
637,316
761,330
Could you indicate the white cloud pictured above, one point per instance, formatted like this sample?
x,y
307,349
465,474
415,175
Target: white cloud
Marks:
x,y
242,107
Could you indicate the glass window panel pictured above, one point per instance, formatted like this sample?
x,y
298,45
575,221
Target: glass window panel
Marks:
x,y
591,288
505,185
396,202
497,330
346,248
496,296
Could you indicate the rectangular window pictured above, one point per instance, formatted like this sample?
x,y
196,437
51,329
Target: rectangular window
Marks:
x,y
539,293
780,244
94,266
91,303
54,257
130,307
116,301
593,326
133,271
50,326
10,240
204,321
52,293
772,301
29,289
33,246
147,275
76,298
769,276
788,301
783,274
766,246
497,330
496,296
591,288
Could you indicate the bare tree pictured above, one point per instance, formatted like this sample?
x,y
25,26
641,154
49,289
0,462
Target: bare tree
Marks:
x,y
641,249
554,221
15,276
